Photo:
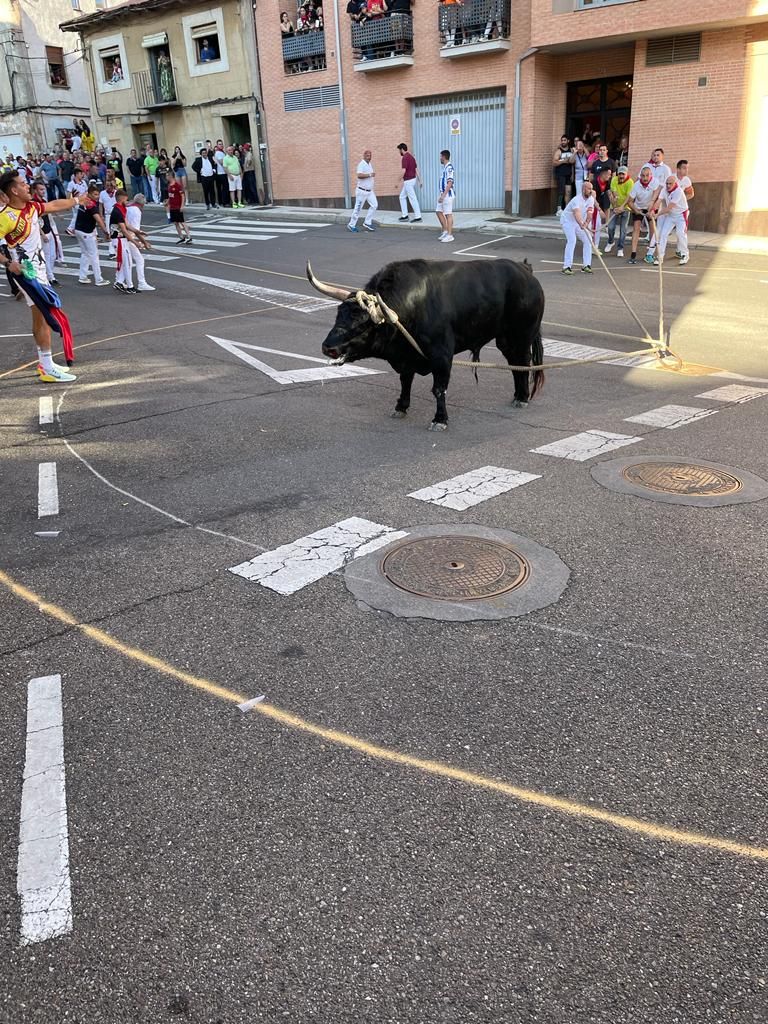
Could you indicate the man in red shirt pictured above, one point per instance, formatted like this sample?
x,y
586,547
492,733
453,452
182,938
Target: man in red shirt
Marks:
x,y
408,191
174,204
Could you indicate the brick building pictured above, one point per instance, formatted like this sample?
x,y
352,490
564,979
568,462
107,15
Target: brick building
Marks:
x,y
692,78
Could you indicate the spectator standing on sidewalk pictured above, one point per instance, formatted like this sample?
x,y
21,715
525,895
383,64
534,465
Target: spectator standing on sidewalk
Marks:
x,y
365,192
222,182
580,165
620,188
234,178
444,208
601,161
408,190
250,190
136,170
151,164
563,165
54,187
207,175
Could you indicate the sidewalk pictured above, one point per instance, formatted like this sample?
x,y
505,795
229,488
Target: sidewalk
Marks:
x,y
490,222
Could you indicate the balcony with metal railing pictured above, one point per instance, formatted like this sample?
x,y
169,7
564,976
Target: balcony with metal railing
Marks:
x,y
473,27
304,51
380,43
155,88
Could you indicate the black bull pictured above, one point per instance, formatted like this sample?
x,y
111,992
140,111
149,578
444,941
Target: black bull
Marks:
x,y
447,307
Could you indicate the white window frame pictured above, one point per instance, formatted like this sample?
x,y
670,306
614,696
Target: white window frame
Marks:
x,y
590,5
189,24
109,43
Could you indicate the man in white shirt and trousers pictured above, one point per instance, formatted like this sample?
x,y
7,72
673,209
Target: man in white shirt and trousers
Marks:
x,y
364,193
132,255
575,221
673,212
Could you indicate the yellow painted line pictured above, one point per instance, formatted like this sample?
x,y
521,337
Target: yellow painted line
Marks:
x,y
570,808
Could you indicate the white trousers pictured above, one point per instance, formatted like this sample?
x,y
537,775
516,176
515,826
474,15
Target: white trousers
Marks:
x,y
408,192
89,254
673,222
361,198
154,182
49,251
132,257
572,232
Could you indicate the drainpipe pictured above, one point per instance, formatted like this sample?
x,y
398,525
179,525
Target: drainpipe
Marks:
x,y
516,136
342,111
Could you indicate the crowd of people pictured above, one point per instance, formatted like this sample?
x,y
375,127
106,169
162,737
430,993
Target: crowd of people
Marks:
x,y
606,196
309,18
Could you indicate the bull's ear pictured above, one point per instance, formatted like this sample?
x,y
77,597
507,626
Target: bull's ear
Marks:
x,y
340,294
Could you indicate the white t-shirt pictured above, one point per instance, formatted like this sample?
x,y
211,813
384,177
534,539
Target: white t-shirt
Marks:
x,y
583,206
642,196
367,169
218,156
674,201
76,143
77,188
660,174
108,202
581,166
685,182
208,168
133,217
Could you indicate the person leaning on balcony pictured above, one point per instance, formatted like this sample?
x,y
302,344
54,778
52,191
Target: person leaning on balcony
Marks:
x,y
450,20
286,25
357,11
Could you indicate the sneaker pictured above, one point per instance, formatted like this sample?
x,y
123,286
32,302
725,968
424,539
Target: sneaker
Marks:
x,y
113,256
586,270
684,260
102,283
678,254
83,280
656,261
402,218
70,231
369,227
189,241
558,212
567,270
53,281
131,290
180,242
648,258
619,254
632,260
608,248
441,236
350,228
416,220
144,287
119,286
449,238
56,375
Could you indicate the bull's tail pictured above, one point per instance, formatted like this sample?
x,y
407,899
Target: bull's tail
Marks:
x,y
537,358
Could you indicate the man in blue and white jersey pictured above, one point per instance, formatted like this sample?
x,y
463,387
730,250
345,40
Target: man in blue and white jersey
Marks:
x,y
444,206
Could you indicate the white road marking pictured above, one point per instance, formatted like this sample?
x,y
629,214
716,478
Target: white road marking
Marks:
x,y
580,447
218,244
47,490
42,877
461,492
46,410
668,273
574,350
470,248
16,335
181,250
47,533
301,376
274,229
269,223
106,263
273,297
293,566
671,416
734,393
214,235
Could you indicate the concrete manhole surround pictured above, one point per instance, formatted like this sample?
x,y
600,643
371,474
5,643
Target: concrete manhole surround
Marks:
x,y
459,574
678,481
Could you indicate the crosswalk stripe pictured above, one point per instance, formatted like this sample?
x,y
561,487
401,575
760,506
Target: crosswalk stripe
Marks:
x,y
586,445
575,350
461,492
270,223
671,416
106,263
217,243
734,393
288,300
213,235
293,566
263,225
181,250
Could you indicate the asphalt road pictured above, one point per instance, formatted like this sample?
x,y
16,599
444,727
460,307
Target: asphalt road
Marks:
x,y
343,851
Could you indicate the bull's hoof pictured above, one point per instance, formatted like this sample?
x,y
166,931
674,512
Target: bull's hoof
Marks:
x,y
438,426
399,414
517,404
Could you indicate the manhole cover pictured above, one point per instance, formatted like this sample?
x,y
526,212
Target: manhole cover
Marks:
x,y
682,478
455,568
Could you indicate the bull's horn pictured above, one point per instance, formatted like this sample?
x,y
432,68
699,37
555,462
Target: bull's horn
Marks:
x,y
327,289
390,314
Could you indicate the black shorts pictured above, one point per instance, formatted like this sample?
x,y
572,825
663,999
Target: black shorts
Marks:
x,y
177,216
639,216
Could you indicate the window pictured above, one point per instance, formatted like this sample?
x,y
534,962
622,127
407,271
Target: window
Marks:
x,y
57,71
584,5
205,42
111,66
75,5
673,50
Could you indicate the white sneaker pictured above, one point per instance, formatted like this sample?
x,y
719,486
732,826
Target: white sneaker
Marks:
x,y
83,280
56,375
619,253
447,238
102,283
144,287
608,248
441,236
684,260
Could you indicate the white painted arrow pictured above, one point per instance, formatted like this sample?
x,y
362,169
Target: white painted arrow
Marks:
x,y
301,376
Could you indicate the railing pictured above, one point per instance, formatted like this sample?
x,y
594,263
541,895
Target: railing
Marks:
x,y
379,38
154,90
474,21
304,52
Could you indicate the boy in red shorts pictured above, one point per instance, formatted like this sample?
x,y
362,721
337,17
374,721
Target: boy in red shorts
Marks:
x,y
174,204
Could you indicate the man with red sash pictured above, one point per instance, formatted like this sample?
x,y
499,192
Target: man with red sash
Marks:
x,y
21,251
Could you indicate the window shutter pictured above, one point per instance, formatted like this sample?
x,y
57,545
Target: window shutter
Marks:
x,y
673,50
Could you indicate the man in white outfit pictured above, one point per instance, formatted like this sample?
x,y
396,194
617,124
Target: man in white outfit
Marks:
x,y
76,186
673,209
87,222
408,190
133,223
364,193
575,221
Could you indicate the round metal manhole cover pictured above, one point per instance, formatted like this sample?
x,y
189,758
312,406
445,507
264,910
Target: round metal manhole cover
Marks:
x,y
455,568
683,478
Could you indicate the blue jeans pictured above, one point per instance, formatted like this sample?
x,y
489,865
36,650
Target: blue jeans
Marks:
x,y
621,220
55,190
137,184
